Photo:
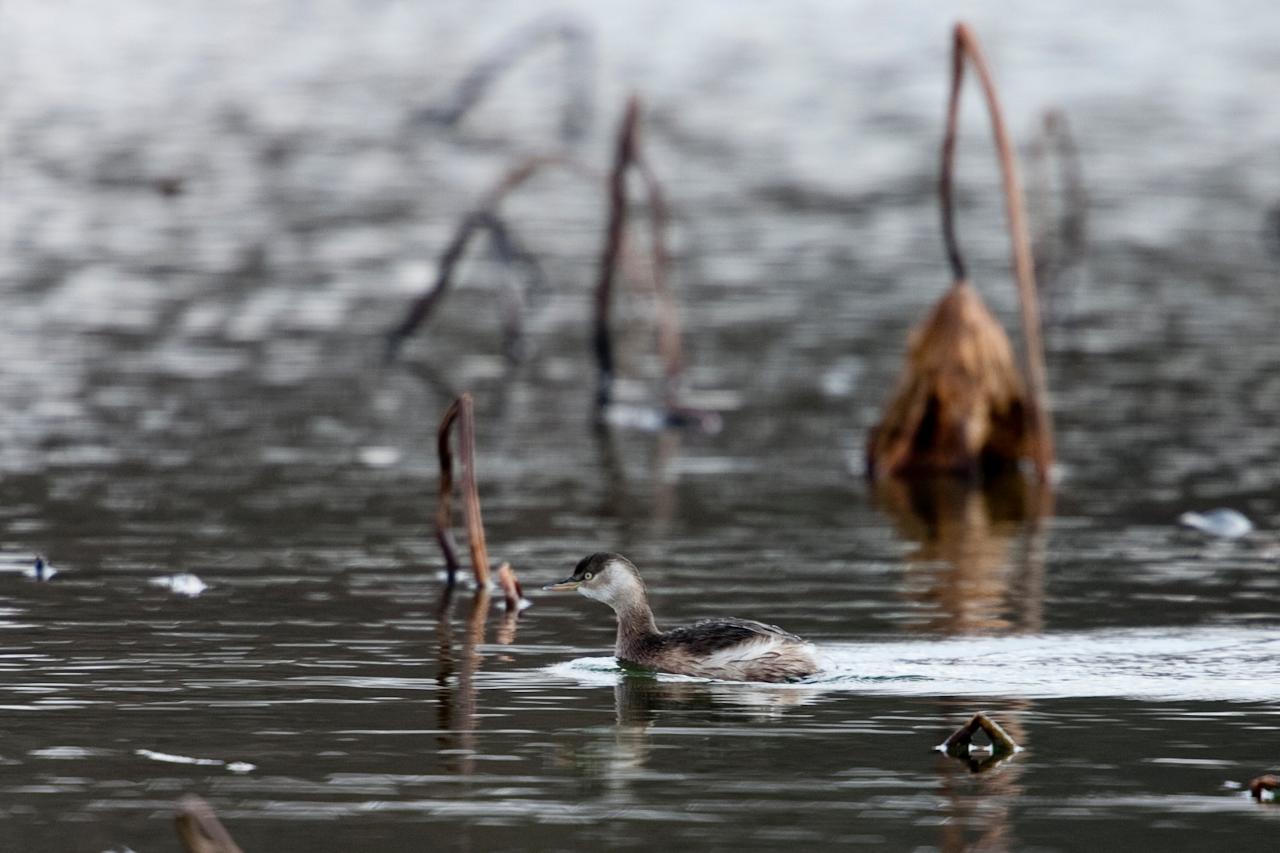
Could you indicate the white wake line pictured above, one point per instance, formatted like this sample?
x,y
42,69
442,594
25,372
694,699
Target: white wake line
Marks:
x,y
1211,664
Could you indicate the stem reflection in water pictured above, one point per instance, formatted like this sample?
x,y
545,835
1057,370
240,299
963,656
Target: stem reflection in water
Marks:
x,y
970,573
456,712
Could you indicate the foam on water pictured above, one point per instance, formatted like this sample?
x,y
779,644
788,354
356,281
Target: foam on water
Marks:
x,y
1223,664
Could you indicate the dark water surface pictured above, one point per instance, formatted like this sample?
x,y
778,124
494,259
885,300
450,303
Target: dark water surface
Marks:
x,y
191,383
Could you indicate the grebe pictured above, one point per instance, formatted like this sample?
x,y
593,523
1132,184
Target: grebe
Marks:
x,y
731,649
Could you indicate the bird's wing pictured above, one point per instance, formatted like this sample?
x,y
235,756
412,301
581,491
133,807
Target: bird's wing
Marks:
x,y
712,635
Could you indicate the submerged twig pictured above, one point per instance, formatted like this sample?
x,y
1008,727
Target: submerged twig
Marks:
x,y
628,155
461,411
965,46
199,829
961,739
578,59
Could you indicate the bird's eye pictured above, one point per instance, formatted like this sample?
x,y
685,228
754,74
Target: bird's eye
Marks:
x,y
586,576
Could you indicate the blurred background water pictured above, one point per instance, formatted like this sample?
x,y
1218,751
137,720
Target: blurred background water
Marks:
x,y
211,212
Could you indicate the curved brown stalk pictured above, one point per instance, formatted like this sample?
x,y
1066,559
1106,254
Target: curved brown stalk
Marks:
x,y
602,339
627,154
966,45
462,412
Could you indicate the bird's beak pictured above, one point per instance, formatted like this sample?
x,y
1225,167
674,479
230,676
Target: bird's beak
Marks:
x,y
566,585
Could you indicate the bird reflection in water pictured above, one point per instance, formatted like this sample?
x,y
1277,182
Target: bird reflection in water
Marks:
x,y
642,702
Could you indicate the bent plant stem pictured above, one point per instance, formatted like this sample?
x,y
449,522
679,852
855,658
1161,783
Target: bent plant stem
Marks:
x,y
966,45
627,155
199,829
602,338
461,412
668,315
578,59
961,739
483,217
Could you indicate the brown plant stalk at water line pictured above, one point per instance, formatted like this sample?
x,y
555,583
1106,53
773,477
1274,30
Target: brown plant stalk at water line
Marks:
x,y
460,418
628,154
462,413
199,829
961,406
961,740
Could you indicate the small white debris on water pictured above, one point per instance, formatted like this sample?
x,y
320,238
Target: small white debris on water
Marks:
x,y
1223,523
643,418
378,457
841,379
183,583
170,758
63,752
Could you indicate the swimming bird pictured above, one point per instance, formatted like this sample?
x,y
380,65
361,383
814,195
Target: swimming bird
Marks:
x,y
730,649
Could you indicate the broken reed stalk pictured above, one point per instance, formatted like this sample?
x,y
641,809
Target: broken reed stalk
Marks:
x,y
512,594
960,407
962,738
966,45
576,117
461,412
484,217
628,154
199,829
